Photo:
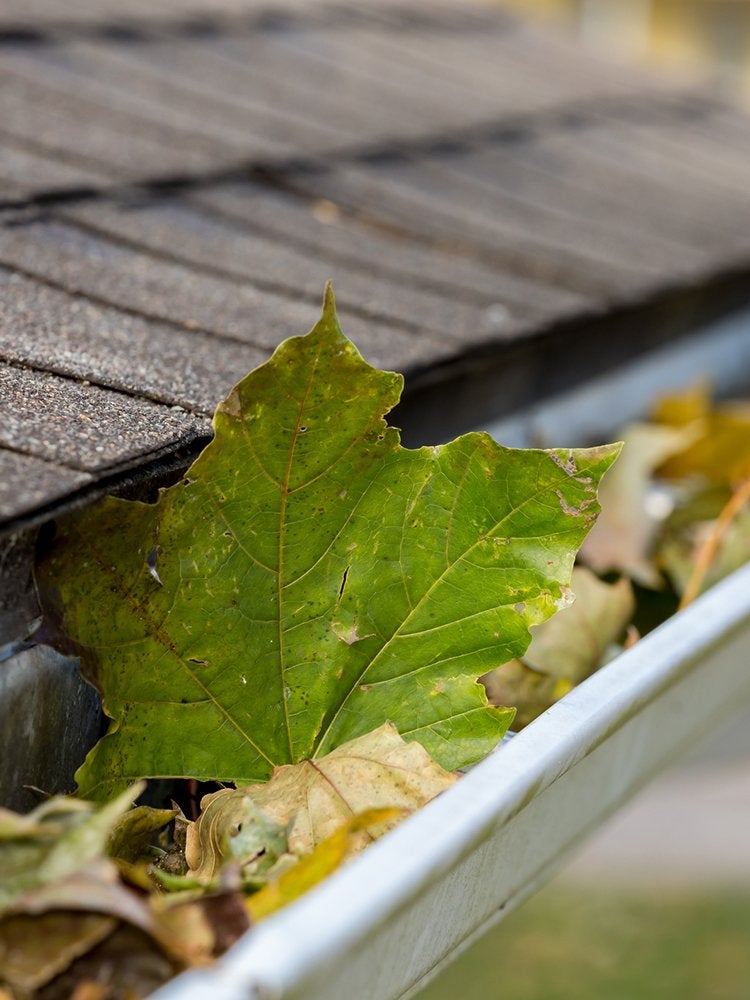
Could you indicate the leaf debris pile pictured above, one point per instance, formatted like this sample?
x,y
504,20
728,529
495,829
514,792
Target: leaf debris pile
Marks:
x,y
112,900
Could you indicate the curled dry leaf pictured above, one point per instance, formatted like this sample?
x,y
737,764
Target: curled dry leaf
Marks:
x,y
313,799
62,899
565,649
310,579
98,889
231,827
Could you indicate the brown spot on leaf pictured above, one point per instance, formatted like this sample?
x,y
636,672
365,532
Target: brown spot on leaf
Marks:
x,y
232,405
568,466
349,633
569,509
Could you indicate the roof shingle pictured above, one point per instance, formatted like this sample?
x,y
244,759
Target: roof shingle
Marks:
x,y
499,213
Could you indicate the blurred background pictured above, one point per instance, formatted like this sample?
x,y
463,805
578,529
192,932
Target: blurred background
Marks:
x,y
711,37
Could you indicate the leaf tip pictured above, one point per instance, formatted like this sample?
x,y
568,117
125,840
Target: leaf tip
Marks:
x,y
328,325
329,302
610,452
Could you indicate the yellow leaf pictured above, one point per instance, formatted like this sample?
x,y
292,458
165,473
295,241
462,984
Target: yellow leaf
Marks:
x,y
720,454
684,407
324,860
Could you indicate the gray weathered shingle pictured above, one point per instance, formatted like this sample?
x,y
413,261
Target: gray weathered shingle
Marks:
x,y
500,214
82,426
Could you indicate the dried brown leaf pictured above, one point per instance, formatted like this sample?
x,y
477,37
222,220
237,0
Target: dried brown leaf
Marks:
x,y
33,950
127,965
379,770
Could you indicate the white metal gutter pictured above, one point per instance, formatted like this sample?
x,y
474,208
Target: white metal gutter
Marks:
x,y
383,926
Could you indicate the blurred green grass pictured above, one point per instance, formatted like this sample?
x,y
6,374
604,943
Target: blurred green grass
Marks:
x,y
579,943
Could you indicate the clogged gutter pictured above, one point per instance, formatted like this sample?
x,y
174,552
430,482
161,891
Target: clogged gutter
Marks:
x,y
314,604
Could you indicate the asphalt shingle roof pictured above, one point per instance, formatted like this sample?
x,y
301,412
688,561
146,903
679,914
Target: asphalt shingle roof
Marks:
x,y
499,212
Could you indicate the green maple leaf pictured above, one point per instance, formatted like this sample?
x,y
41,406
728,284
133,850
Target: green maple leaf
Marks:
x,y
310,579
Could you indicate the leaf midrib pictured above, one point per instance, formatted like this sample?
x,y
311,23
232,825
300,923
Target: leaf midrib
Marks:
x,y
280,560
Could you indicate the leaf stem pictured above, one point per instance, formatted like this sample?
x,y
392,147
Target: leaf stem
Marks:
x,y
711,545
